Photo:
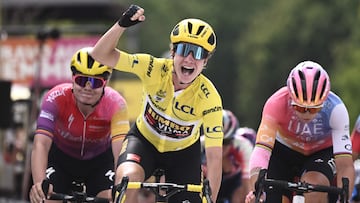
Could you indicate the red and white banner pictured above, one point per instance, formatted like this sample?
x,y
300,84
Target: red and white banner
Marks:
x,y
22,63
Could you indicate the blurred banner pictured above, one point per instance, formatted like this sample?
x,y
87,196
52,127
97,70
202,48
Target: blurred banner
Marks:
x,y
20,59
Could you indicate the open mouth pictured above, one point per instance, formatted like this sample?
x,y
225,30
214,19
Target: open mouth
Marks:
x,y
187,70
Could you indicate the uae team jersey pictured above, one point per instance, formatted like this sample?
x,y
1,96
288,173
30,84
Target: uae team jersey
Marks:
x,y
329,128
78,136
171,120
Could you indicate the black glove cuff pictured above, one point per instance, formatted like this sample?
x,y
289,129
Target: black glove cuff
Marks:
x,y
125,20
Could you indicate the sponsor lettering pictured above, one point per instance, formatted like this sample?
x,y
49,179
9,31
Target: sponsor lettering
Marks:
x,y
69,136
110,174
164,70
47,115
165,126
70,120
205,90
348,147
49,171
345,137
306,131
213,129
184,108
53,95
214,109
151,66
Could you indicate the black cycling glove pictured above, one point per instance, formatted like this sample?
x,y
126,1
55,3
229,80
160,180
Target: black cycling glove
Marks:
x,y
125,20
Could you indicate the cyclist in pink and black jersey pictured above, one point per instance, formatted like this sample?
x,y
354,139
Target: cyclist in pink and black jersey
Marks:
x,y
304,132
79,132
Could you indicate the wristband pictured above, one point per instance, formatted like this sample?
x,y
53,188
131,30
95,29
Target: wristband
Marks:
x,y
125,20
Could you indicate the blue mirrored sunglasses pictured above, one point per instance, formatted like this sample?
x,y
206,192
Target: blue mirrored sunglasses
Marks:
x,y
94,82
184,49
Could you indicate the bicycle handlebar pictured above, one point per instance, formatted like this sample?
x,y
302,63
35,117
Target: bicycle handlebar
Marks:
x,y
299,187
187,187
170,188
76,197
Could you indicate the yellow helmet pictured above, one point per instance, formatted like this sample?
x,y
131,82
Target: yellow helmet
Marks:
x,y
194,31
83,63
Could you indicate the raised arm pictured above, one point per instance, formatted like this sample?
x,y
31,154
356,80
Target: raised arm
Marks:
x,y
105,50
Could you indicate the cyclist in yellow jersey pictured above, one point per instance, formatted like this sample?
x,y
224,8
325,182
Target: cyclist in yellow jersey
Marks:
x,y
177,100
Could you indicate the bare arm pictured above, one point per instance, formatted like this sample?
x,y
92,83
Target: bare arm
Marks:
x,y
105,50
39,161
345,168
116,148
355,155
214,169
240,193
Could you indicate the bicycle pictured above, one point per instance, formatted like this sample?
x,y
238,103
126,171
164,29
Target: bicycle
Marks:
x,y
78,194
162,191
299,188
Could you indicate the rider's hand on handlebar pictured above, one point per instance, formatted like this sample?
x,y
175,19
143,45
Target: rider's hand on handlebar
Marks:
x,y
133,15
250,197
37,194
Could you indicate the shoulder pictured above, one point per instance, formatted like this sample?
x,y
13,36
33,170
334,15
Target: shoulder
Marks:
x,y
142,59
334,105
356,129
280,95
111,91
113,96
207,88
357,123
333,99
62,86
59,91
278,100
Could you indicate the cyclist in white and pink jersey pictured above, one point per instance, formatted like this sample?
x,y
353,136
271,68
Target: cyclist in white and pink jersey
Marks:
x,y
304,133
355,138
237,148
79,132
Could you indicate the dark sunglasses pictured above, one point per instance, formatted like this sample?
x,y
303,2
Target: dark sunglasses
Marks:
x,y
94,82
184,49
302,109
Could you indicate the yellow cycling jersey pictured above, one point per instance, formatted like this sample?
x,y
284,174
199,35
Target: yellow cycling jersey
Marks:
x,y
171,120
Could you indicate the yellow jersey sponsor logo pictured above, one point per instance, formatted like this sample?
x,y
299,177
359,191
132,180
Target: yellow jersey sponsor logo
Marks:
x,y
165,126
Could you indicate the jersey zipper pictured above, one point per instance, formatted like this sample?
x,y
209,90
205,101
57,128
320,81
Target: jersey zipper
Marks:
x,y
83,140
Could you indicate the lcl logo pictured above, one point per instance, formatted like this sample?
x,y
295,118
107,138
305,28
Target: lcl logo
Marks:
x,y
184,108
